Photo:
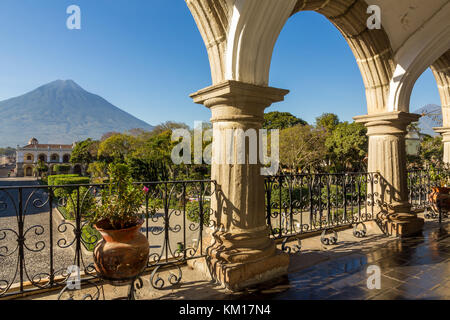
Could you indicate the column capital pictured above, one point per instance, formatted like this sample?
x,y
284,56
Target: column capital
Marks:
x,y
444,131
389,123
238,101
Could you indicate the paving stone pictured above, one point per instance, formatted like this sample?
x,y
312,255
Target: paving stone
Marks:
x,y
411,269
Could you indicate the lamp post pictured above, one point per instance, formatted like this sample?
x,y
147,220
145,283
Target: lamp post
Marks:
x,y
412,142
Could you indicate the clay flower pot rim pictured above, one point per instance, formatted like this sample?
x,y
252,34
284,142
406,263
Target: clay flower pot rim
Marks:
x,y
138,224
441,189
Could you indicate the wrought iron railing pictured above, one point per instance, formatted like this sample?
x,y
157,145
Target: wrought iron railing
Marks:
x,y
420,184
303,203
419,188
43,232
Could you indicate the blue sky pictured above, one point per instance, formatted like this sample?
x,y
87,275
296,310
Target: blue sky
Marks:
x,y
147,56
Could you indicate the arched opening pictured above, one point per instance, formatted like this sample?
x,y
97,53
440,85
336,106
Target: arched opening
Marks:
x,y
423,143
29,157
42,157
54,158
66,158
371,47
316,76
28,171
425,100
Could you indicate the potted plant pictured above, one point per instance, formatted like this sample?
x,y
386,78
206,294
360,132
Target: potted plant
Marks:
x,y
440,193
123,252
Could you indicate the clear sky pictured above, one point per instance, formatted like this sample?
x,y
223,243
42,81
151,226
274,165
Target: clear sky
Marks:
x,y
147,56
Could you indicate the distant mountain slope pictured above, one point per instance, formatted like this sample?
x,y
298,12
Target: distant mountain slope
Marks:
x,y
432,118
61,112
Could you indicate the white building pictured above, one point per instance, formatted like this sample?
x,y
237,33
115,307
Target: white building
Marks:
x,y
28,156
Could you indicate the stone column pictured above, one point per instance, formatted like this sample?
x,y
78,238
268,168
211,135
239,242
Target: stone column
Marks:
x,y
387,157
445,132
240,252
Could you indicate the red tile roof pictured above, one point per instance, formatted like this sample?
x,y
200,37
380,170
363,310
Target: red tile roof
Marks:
x,y
46,146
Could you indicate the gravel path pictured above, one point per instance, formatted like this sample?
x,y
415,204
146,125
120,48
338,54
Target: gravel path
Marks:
x,y
37,236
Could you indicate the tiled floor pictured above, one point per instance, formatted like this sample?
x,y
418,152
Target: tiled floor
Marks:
x,y
413,268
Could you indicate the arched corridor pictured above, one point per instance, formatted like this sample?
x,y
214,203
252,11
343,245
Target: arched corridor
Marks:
x,y
240,36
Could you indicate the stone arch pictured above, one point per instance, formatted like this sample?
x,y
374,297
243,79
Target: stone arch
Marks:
x,y
28,157
419,52
42,157
441,71
28,171
371,47
66,158
240,37
212,19
54,157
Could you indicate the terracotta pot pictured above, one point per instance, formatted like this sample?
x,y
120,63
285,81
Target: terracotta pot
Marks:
x,y
442,195
122,254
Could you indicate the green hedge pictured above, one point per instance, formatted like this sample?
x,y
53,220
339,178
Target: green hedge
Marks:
x,y
58,176
299,196
64,192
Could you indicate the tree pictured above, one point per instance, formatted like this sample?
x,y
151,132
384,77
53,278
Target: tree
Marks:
x,y
348,145
83,153
116,147
108,135
169,126
136,132
302,147
431,149
281,120
41,168
327,121
157,149
145,170
98,171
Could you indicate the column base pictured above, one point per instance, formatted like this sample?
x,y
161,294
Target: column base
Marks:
x,y
403,229
238,276
399,222
241,260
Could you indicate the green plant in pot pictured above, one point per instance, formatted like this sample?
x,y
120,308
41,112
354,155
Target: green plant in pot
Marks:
x,y
439,176
123,252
